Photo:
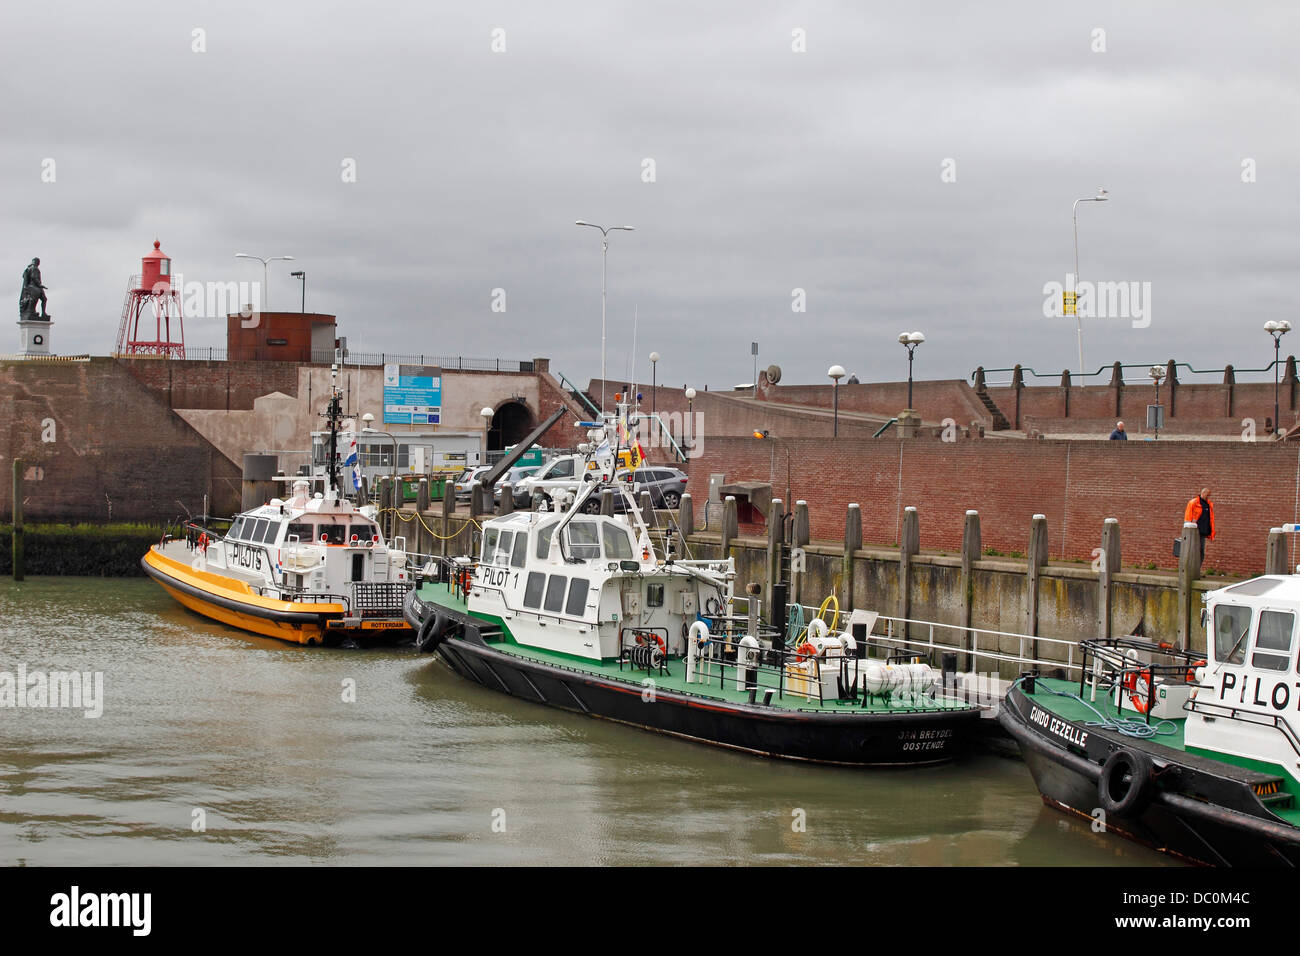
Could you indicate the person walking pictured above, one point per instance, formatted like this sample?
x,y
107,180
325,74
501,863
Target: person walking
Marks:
x,y
1201,511
1119,434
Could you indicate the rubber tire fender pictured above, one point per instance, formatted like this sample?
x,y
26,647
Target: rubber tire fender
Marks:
x,y
431,632
1117,799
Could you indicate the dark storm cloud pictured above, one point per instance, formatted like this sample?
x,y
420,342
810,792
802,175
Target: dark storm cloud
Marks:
x,y
775,170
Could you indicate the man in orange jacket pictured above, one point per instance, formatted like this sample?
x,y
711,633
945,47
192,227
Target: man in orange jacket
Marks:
x,y
1201,511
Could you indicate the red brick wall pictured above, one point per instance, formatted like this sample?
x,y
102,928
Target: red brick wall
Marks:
x,y
1076,484
117,452
214,385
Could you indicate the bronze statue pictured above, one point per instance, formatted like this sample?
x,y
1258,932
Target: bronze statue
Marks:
x,y
33,292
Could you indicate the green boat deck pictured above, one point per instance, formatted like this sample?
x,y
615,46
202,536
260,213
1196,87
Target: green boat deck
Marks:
x,y
1077,712
674,676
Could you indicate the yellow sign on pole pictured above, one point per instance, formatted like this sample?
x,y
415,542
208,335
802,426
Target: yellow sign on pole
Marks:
x,y
1069,302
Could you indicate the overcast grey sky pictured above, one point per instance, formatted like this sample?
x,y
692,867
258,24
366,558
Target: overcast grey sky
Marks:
x,y
775,170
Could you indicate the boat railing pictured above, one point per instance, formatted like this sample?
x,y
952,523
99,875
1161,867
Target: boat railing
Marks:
x,y
1209,708
1133,664
379,598
958,639
727,661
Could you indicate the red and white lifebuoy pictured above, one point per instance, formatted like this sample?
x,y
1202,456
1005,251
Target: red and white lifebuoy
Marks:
x,y
1138,684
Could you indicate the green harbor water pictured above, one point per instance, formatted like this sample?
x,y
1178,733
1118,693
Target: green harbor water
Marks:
x,y
254,740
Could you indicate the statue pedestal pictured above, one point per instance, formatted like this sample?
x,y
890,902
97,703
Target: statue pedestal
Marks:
x,y
34,337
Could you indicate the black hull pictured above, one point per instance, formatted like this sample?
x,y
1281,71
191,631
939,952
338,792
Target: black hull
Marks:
x,y
850,739
1194,813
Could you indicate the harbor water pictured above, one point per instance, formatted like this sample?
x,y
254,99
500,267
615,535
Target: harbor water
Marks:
x,y
216,747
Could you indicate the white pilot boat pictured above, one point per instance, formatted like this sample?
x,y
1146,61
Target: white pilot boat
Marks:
x,y
578,611
310,569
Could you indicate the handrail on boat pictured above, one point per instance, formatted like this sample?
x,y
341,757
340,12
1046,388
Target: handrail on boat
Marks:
x,y
1207,707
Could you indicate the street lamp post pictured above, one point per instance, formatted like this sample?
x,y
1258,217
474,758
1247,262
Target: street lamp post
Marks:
x,y
909,341
690,415
836,372
302,277
1078,323
266,288
1157,373
654,391
604,256
1277,330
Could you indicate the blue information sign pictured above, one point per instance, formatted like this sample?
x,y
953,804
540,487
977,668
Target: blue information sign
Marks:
x,y
412,395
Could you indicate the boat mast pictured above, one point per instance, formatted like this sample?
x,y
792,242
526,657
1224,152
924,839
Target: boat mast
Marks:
x,y
334,414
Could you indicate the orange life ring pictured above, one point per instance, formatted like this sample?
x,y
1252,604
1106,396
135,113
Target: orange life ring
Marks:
x,y
806,650
203,543
658,639
1138,695
1191,671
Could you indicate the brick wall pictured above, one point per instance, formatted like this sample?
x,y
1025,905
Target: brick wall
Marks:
x,y
118,452
212,385
1076,484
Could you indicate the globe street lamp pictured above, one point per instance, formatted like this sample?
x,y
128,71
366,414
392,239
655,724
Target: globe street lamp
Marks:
x,y
909,341
1277,329
836,372
369,430
1101,196
654,379
266,288
690,414
604,256
1157,373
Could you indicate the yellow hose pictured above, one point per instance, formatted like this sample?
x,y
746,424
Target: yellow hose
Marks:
x,y
821,612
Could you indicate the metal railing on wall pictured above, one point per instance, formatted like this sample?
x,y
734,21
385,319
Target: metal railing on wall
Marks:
x,y
1109,370
327,357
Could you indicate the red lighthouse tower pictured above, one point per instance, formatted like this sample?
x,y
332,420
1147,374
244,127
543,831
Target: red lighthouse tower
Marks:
x,y
152,288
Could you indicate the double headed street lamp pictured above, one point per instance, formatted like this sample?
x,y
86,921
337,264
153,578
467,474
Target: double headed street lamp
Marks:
x,y
1277,330
836,372
909,341
604,256
1078,323
1157,373
266,288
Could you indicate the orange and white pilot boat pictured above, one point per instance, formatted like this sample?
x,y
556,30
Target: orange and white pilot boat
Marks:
x,y
310,570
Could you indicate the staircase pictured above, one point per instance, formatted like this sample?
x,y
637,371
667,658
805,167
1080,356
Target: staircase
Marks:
x,y
1000,422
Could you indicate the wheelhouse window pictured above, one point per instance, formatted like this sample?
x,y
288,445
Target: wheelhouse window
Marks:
x,y
544,536
502,556
254,535
1273,641
618,543
1231,626
533,589
583,543
237,528
576,606
333,533
303,531
489,545
270,531
520,553
555,593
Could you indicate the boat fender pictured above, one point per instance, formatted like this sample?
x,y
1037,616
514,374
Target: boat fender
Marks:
x,y
431,632
1125,784
875,681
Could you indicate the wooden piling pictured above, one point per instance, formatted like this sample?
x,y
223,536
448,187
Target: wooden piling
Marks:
x,y
18,520
852,542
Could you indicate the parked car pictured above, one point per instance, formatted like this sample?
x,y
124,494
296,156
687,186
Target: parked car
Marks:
x,y
557,474
515,474
468,478
666,486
